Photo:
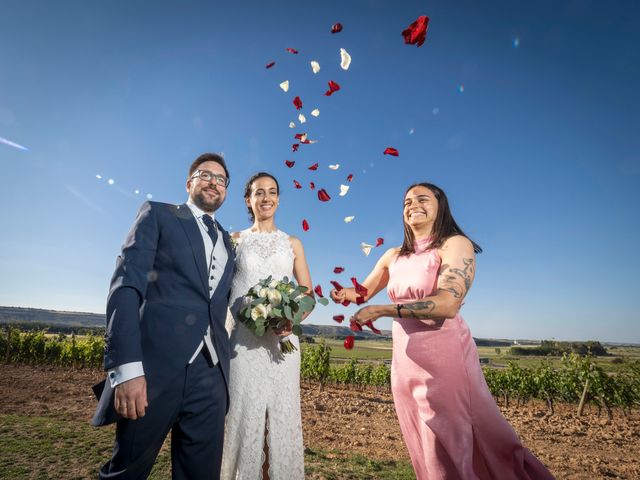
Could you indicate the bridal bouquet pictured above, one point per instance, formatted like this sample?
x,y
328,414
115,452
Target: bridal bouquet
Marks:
x,y
272,304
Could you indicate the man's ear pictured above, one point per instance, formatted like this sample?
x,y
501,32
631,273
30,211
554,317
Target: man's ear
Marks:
x,y
188,185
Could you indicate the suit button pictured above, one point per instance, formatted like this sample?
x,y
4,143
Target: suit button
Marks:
x,y
210,288
211,277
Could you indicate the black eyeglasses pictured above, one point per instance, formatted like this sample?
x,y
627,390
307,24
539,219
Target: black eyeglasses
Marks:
x,y
207,176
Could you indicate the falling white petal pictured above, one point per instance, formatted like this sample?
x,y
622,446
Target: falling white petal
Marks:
x,y
13,144
99,177
285,85
345,59
315,112
149,196
292,125
302,118
111,181
315,66
303,138
137,192
349,219
343,190
411,132
334,167
366,248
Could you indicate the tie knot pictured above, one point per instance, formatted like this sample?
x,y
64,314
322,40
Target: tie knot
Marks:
x,y
211,227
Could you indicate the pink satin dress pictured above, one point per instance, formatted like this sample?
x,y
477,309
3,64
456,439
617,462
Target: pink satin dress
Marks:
x,y
450,422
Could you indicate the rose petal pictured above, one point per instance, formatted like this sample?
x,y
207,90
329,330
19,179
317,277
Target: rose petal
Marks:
x,y
369,324
360,300
285,85
302,118
345,59
391,151
312,185
297,184
297,103
355,326
289,163
350,177
366,248
379,241
360,289
343,190
338,270
318,290
270,64
415,34
338,318
349,219
294,147
334,167
315,112
299,136
333,87
315,66
305,225
336,285
314,167
323,196
336,27
292,125
349,342
292,50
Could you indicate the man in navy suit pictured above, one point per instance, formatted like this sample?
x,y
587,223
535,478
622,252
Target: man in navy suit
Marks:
x,y
167,350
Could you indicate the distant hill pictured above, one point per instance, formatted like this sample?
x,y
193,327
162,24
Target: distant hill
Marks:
x,y
51,317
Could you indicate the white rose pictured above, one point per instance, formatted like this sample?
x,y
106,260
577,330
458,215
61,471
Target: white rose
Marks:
x,y
264,291
275,297
258,311
273,284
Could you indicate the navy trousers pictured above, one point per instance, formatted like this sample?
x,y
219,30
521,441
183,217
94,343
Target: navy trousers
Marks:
x,y
193,408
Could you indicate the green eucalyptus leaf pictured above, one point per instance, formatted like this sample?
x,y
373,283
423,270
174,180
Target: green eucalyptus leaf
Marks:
x,y
297,330
323,301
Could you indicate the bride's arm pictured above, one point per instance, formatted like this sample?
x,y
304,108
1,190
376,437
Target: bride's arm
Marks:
x,y
301,268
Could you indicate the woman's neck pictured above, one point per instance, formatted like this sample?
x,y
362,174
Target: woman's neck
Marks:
x,y
264,226
421,233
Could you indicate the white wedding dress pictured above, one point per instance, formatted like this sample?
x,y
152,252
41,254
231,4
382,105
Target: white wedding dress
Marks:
x,y
264,384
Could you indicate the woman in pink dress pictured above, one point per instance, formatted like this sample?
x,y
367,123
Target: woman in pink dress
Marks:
x,y
450,422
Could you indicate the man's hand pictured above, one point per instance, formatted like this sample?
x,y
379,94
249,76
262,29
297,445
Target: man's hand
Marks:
x,y
131,398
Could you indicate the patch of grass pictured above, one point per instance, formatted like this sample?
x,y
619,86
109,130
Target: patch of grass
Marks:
x,y
52,448
334,465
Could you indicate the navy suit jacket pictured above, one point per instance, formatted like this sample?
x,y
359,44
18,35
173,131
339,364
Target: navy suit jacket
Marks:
x,y
163,261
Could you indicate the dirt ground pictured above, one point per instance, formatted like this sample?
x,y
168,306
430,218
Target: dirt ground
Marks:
x,y
364,422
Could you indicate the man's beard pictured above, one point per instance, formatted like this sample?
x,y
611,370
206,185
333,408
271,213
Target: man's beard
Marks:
x,y
206,204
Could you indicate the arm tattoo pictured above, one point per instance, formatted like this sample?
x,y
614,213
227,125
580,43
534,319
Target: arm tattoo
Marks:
x,y
419,310
457,281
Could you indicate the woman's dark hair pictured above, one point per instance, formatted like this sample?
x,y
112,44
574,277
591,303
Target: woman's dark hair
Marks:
x,y
444,226
247,189
209,157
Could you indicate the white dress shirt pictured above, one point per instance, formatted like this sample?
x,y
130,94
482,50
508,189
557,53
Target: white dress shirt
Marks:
x,y
216,257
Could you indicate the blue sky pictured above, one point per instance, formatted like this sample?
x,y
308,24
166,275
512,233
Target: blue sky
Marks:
x,y
539,154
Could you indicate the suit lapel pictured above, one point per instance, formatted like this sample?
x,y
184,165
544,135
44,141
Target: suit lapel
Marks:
x,y
190,225
231,257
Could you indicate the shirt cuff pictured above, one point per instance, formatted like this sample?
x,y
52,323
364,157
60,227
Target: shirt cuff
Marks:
x,y
125,372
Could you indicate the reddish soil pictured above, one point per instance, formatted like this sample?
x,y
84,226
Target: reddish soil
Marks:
x,y
574,447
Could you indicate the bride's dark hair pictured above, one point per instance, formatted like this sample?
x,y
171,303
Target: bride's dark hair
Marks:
x,y
444,225
247,189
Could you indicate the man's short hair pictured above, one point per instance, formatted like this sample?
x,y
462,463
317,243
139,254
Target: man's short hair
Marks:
x,y
209,157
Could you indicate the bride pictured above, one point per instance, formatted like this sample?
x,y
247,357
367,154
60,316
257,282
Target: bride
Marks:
x,y
263,431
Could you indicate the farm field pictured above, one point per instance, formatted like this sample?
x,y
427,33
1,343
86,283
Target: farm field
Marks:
x,y
45,410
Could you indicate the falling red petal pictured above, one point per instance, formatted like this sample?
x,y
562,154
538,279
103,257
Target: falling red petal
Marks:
x,y
416,33
297,184
318,291
338,270
289,163
299,136
297,103
295,147
323,196
360,290
369,324
292,50
360,300
337,27
338,318
333,87
379,241
305,225
391,151
355,326
350,177
346,303
348,342
336,285
270,64
313,167
312,185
